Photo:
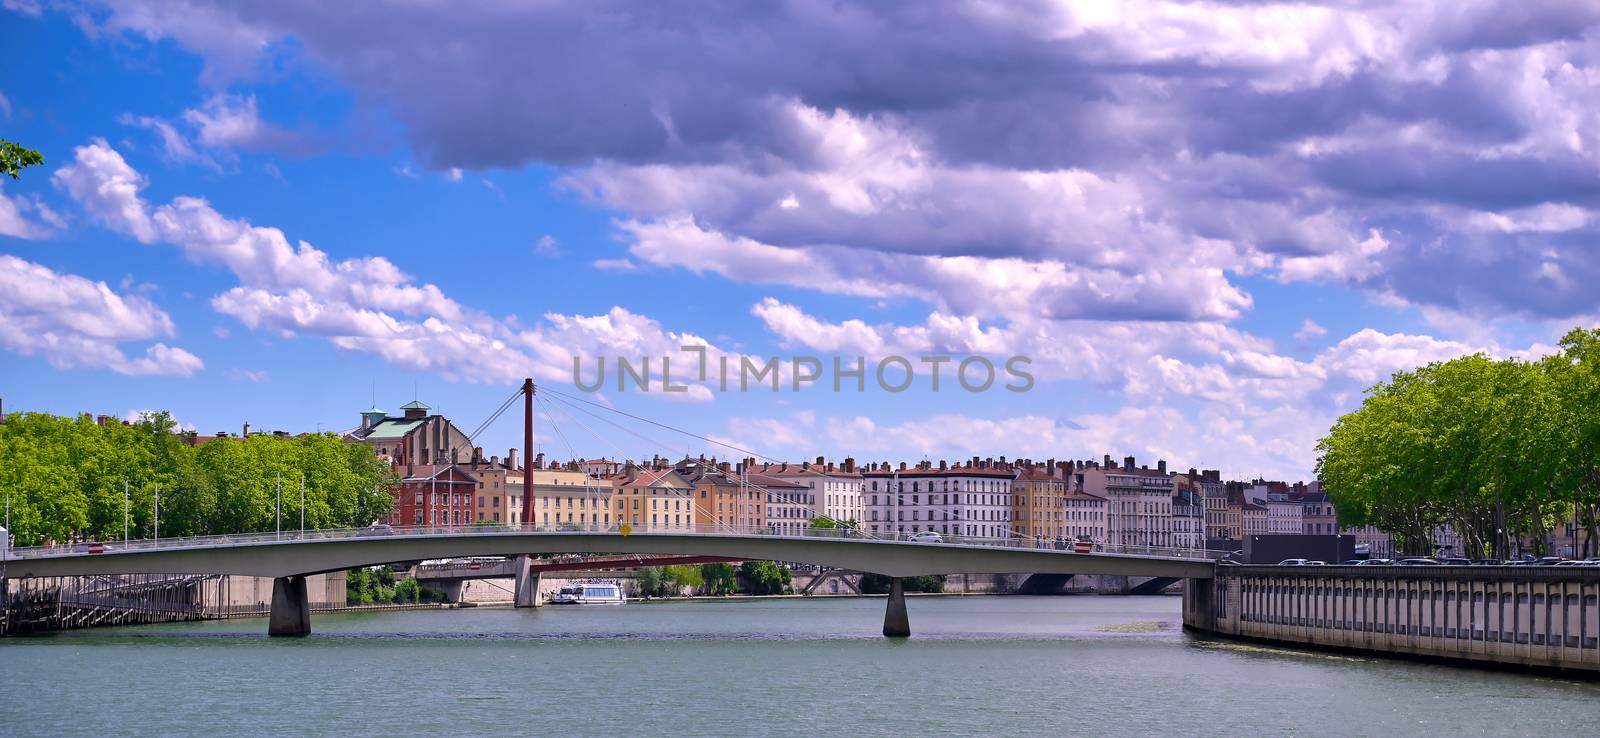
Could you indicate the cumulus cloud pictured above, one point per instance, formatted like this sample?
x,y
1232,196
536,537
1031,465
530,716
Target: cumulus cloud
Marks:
x,y
367,304
1212,394
74,322
1148,150
23,216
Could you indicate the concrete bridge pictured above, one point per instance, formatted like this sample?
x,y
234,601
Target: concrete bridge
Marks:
x,y
290,557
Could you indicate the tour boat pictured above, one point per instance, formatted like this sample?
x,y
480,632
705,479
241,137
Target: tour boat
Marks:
x,y
589,593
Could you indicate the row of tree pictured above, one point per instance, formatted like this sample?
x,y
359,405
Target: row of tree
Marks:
x,y
750,577
68,479
378,586
1498,450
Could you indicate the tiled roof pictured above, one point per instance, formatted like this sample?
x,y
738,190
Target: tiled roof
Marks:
x,y
770,481
954,471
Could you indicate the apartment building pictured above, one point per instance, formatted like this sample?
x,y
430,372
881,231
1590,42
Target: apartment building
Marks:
x,y
972,499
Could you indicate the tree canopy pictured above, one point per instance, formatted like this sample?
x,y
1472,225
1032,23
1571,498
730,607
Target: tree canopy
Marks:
x,y
15,157
65,477
1471,441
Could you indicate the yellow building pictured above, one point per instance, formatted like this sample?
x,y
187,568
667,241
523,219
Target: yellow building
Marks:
x,y
722,500
568,498
652,501
1038,501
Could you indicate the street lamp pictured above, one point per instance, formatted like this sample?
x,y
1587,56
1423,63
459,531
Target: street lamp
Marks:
x,y
1499,507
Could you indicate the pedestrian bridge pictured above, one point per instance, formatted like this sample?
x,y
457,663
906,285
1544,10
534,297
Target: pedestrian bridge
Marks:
x,y
288,557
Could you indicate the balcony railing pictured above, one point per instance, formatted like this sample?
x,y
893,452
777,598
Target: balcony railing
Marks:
x,y
504,529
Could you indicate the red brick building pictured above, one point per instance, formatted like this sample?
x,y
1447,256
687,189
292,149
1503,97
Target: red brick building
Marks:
x,y
443,495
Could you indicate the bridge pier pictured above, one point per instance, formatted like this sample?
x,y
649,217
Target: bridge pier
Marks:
x,y
895,622
291,608
526,587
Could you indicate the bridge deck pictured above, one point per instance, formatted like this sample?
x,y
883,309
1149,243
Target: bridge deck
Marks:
x,y
293,554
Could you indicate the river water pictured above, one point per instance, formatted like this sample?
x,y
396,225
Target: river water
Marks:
x,y
993,666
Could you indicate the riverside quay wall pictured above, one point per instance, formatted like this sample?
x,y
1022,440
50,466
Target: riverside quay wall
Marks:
x,y
1522,616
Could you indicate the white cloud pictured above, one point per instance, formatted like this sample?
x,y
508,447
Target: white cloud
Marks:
x,y
232,122
25,7
1309,330
248,375
74,322
175,146
547,246
362,304
15,220
968,285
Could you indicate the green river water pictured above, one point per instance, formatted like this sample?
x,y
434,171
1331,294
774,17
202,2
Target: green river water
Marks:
x,y
993,666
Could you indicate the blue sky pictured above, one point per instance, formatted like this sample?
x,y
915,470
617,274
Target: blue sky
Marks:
x,y
1209,226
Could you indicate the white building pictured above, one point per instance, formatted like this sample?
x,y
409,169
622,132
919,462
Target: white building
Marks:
x,y
973,499
788,503
1138,501
835,490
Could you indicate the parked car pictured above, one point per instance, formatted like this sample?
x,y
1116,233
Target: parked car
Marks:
x,y
1485,562
1455,562
1316,563
927,536
1378,562
1416,561
1568,562
1292,562
1353,562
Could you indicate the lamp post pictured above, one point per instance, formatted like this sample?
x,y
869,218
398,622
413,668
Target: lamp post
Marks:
x,y
1499,507
302,505
125,506
277,514
158,511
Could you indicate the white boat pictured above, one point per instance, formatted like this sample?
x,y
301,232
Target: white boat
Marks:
x,y
589,593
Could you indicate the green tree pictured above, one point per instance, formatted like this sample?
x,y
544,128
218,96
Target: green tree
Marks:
x,y
1490,448
15,157
649,581
823,521
74,478
683,575
719,578
762,578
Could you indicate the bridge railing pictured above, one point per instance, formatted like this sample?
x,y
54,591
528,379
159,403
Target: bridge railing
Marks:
x,y
505,529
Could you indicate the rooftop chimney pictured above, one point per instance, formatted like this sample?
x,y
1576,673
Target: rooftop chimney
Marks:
x,y
1161,466
849,464
511,459
246,433
1107,463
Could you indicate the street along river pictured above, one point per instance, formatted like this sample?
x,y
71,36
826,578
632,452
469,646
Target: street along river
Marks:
x,y
997,666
